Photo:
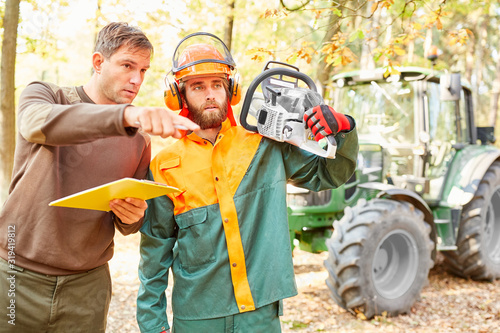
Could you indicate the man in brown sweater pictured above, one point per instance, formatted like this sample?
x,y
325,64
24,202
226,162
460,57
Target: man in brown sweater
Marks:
x,y
54,275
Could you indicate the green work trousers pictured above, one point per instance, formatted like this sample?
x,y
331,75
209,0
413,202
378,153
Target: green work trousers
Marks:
x,y
33,302
263,320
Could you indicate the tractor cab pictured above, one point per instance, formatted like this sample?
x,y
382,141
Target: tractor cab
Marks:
x,y
410,126
416,122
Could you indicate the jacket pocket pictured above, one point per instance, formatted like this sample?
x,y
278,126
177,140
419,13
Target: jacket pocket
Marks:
x,y
195,238
172,173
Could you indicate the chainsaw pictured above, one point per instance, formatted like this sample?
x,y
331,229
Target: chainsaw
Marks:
x,y
277,110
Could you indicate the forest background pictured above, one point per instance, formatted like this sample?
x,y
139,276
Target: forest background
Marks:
x,y
52,40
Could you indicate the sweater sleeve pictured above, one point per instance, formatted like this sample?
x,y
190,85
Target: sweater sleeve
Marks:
x,y
317,173
158,237
50,115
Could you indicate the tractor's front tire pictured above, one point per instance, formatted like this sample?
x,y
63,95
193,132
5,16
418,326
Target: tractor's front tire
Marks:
x,y
478,242
379,259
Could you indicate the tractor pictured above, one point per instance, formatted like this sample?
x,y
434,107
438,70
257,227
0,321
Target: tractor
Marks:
x,y
427,180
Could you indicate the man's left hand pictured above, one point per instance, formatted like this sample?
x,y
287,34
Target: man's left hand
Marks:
x,y
323,120
129,210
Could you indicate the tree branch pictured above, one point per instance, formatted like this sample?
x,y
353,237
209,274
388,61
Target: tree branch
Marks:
x,y
296,8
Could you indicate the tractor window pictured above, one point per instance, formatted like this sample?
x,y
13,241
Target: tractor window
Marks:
x,y
383,110
443,134
384,114
442,125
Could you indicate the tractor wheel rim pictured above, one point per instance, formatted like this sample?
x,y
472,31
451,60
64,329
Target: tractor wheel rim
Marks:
x,y
491,230
395,264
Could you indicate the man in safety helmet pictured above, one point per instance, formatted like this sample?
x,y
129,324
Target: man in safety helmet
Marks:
x,y
225,234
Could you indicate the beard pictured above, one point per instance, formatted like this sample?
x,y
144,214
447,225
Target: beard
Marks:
x,y
207,119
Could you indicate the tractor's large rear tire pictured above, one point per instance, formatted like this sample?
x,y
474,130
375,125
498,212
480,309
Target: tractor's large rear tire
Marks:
x,y
379,257
478,241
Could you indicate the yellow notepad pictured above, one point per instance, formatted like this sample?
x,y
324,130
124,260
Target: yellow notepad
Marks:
x,y
98,198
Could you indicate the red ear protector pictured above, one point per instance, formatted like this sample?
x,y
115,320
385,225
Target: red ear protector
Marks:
x,y
173,99
234,89
172,95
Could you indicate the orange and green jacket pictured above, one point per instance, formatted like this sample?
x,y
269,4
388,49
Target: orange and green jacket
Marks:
x,y
225,235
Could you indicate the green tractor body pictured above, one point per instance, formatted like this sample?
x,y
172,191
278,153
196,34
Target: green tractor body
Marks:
x,y
427,180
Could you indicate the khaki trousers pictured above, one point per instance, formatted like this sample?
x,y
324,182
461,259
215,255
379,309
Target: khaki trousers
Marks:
x,y
33,302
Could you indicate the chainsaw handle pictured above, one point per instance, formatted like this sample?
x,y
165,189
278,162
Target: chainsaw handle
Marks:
x,y
332,146
331,140
313,147
258,80
266,67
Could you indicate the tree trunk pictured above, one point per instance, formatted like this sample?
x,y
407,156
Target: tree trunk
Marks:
x,y
97,28
495,94
469,58
324,71
411,51
481,47
371,41
427,42
228,27
8,89
480,108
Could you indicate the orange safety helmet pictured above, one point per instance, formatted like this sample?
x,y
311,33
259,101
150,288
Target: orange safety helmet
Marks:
x,y
201,53
201,59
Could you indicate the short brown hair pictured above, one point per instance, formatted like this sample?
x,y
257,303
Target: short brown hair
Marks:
x,y
116,34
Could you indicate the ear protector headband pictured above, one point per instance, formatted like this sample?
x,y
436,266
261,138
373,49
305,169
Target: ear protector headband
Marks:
x,y
172,96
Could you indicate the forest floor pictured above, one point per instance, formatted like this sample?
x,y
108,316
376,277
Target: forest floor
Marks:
x,y
448,303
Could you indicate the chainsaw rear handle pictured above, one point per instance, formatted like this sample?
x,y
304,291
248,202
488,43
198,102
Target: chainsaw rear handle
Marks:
x,y
266,67
261,77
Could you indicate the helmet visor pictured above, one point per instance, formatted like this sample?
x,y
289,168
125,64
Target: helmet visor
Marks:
x,y
201,48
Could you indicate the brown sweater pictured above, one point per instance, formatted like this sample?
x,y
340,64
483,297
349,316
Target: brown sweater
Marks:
x,y
66,144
